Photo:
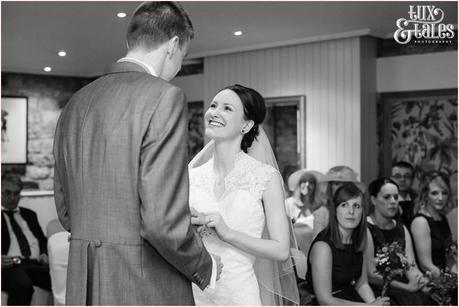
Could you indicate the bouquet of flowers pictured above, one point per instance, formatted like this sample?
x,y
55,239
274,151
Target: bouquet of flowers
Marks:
x,y
442,287
390,262
451,249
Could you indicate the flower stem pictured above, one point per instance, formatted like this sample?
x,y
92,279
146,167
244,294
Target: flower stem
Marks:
x,y
385,287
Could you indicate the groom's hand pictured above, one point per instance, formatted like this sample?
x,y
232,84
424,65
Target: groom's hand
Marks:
x,y
219,265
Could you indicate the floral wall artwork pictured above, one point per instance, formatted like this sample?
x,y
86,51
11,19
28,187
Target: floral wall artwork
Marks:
x,y
424,133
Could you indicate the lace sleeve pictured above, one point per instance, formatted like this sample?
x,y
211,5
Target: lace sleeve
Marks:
x,y
262,177
200,176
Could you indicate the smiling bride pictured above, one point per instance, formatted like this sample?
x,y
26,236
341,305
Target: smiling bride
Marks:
x,y
236,201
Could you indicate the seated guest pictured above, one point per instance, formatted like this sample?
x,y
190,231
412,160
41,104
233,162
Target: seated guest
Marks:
x,y
305,199
337,269
286,172
430,228
58,251
24,255
299,207
403,174
335,177
383,229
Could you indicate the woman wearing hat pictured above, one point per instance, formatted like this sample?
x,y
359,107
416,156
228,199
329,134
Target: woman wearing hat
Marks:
x,y
305,199
335,178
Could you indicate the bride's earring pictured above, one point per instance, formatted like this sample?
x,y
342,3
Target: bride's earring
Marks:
x,y
244,130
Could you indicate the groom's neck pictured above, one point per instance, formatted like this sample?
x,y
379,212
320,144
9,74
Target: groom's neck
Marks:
x,y
154,58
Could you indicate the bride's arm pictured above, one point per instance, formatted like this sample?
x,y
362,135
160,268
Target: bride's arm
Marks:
x,y
277,246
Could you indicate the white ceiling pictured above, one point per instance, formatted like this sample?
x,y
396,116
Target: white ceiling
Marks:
x,y
33,32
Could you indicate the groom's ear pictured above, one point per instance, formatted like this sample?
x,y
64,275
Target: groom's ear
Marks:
x,y
172,46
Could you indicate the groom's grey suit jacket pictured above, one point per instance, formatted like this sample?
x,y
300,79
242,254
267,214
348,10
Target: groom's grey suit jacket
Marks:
x,y
121,189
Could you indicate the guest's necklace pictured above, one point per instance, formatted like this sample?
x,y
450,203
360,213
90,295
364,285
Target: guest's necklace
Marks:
x,y
390,224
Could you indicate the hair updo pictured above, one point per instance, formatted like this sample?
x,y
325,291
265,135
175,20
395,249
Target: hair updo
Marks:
x,y
254,109
376,185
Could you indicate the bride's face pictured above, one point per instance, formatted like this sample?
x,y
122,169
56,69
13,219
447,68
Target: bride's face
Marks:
x,y
225,117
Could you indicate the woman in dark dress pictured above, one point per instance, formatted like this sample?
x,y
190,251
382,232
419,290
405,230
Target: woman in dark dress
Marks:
x,y
336,267
384,228
430,228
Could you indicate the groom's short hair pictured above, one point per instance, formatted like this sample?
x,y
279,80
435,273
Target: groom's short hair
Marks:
x,y
154,23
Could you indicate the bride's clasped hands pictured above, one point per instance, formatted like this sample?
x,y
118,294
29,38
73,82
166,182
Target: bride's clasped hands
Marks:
x,y
212,220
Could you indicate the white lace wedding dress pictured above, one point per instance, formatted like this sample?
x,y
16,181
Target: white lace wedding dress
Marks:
x,y
241,208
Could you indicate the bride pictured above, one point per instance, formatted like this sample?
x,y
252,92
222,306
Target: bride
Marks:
x,y
237,202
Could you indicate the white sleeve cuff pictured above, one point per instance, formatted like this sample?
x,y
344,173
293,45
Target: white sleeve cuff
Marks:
x,y
213,277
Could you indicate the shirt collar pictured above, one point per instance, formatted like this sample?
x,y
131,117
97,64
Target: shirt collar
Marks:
x,y
9,210
147,67
407,198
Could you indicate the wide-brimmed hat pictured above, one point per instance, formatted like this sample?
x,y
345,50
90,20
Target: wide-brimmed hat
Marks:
x,y
294,179
344,173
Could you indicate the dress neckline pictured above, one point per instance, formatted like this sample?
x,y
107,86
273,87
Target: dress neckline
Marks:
x,y
227,177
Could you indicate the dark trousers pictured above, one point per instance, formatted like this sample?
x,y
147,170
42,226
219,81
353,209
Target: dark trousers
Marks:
x,y
18,280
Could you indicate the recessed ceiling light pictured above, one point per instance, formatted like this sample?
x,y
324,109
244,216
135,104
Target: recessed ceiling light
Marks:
x,y
62,53
237,33
121,14
47,69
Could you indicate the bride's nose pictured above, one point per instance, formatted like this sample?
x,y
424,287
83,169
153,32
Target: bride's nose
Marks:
x,y
213,112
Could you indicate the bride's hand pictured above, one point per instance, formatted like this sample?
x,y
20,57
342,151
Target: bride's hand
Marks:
x,y
215,220
197,218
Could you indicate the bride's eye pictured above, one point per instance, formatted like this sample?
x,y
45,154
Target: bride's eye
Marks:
x,y
228,108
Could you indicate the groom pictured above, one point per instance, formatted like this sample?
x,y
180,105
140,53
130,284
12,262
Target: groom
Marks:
x,y
121,180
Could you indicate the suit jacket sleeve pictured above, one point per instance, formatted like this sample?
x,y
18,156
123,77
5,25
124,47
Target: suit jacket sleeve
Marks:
x,y
163,188
59,199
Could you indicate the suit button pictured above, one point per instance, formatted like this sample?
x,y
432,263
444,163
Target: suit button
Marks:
x,y
97,243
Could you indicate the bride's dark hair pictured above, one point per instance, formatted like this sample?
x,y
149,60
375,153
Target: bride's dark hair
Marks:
x,y
254,109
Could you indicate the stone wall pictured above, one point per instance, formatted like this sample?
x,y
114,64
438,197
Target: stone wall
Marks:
x,y
46,97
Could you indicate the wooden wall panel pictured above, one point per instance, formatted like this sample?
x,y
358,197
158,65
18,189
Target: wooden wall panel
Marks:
x,y
369,143
327,73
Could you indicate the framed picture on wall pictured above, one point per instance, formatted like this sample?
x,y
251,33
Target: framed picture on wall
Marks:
x,y
14,130
195,127
285,126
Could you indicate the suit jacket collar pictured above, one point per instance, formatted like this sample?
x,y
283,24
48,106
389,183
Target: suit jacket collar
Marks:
x,y
120,67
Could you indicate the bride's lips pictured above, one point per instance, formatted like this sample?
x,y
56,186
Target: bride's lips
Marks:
x,y
215,123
